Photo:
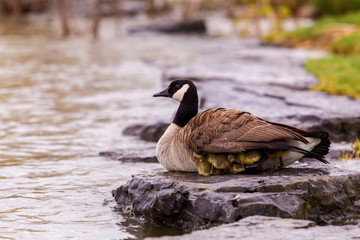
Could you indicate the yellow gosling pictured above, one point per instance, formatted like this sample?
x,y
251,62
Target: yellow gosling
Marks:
x,y
218,160
236,168
199,156
204,168
251,157
231,157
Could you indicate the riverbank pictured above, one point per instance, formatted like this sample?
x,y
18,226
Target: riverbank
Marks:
x,y
272,83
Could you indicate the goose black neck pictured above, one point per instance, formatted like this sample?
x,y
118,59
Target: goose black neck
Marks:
x,y
187,110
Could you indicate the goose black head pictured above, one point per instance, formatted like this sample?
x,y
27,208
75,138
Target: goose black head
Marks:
x,y
185,92
179,90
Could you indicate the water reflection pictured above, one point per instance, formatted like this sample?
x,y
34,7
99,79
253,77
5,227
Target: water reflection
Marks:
x,y
140,228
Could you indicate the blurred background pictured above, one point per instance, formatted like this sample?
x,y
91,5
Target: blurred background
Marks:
x,y
75,73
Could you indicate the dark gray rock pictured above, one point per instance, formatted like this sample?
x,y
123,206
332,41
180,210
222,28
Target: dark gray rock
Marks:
x,y
188,201
130,156
134,130
151,132
197,26
271,228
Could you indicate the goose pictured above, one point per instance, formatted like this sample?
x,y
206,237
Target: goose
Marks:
x,y
221,140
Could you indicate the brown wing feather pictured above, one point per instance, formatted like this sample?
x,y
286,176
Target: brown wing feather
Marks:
x,y
227,130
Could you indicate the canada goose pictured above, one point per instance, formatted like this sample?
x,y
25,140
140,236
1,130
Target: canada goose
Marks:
x,y
221,140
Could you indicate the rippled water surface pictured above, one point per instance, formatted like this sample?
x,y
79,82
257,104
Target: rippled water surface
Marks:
x,y
62,102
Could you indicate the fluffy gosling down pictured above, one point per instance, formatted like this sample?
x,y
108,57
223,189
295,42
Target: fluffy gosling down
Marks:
x,y
221,140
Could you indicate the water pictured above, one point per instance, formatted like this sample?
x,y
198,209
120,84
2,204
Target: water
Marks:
x,y
62,102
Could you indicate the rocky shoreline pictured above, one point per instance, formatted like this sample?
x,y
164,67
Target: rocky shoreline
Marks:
x,y
310,191
272,86
271,228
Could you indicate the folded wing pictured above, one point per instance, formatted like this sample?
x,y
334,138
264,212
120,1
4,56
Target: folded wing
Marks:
x,y
225,130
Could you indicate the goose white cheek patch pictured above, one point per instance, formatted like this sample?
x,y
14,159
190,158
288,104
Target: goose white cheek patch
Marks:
x,y
179,94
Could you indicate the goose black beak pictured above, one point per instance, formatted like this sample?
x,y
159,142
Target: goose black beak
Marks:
x,y
164,93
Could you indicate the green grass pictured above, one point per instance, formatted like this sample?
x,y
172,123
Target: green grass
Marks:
x,y
335,7
337,75
348,45
319,35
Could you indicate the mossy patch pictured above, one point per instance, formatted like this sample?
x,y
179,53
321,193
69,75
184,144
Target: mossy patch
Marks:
x,y
321,34
355,153
348,45
337,75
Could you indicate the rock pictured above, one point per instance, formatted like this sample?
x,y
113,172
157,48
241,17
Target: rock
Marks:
x,y
316,192
311,110
185,26
247,61
130,156
270,83
338,149
151,132
134,130
271,228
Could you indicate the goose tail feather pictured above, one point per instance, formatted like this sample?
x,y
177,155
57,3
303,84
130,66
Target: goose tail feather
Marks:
x,y
320,150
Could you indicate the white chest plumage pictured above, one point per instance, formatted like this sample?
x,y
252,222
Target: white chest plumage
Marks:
x,y
173,153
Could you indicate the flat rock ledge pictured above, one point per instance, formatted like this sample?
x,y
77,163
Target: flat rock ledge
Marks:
x,y
308,110
271,228
311,191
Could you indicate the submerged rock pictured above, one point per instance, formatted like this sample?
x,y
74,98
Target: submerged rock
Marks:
x,y
271,228
130,156
186,26
151,132
320,193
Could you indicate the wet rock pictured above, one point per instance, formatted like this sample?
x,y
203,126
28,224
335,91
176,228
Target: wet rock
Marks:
x,y
151,132
271,228
134,130
188,201
185,26
141,155
311,110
